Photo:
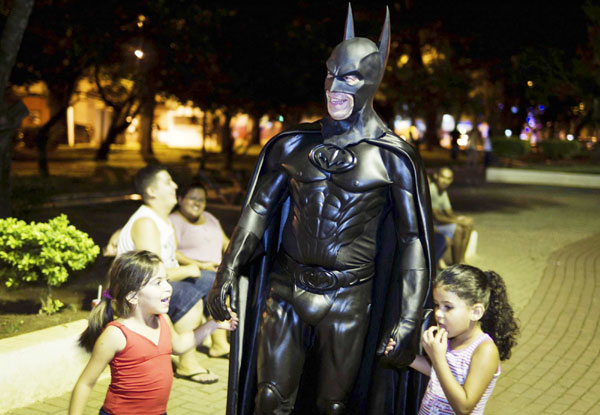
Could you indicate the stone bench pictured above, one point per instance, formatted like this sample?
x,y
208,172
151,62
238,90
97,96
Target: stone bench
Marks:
x,y
543,177
40,365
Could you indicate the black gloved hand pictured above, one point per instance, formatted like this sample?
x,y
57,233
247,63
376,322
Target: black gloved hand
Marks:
x,y
406,336
226,283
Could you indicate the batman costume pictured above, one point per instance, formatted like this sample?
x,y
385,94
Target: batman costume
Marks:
x,y
335,235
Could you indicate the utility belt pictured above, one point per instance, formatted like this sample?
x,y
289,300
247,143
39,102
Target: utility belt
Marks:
x,y
319,279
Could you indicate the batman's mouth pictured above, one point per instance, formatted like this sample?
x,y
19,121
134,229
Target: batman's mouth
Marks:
x,y
339,105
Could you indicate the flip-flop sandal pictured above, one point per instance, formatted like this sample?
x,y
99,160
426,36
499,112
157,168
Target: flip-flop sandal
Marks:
x,y
191,377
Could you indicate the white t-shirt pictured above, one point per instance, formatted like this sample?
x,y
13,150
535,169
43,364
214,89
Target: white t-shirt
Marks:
x,y
439,202
165,229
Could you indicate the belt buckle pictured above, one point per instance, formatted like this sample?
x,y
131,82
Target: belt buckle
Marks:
x,y
317,280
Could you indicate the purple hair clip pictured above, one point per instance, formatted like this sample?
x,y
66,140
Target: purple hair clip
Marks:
x,y
107,295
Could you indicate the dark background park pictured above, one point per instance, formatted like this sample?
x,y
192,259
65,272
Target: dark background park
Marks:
x,y
528,67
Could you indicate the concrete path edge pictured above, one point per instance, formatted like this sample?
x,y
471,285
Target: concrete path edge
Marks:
x,y
49,363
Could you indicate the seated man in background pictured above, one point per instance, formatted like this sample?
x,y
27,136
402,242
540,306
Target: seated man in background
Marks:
x,y
201,242
149,228
456,227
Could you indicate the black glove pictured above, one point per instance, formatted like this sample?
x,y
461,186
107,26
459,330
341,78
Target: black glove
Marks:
x,y
226,283
406,336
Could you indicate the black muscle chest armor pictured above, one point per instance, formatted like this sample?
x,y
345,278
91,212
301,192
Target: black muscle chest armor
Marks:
x,y
338,195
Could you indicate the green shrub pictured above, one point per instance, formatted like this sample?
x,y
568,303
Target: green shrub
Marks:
x,y
560,149
510,147
43,252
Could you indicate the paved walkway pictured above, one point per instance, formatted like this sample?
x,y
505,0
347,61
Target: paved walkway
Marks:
x,y
545,242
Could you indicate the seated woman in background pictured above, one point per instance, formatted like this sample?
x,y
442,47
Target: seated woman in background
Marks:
x,y
201,241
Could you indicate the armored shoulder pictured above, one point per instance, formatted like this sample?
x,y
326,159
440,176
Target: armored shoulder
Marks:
x,y
286,141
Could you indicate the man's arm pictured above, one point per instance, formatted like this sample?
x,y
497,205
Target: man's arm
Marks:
x,y
145,236
414,272
183,259
270,190
445,214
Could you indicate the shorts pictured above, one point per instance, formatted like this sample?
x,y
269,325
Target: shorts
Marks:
x,y
187,293
447,229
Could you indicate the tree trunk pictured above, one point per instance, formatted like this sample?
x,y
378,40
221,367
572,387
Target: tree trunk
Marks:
x,y
43,137
145,132
9,122
431,136
204,135
10,116
255,135
10,43
111,137
6,135
227,142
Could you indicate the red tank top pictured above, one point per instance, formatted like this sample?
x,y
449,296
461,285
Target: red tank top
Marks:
x,y
141,374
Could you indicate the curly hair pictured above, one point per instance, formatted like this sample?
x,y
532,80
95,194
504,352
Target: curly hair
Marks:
x,y
473,286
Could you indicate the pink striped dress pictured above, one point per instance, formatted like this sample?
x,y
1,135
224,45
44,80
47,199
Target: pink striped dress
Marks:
x,y
435,402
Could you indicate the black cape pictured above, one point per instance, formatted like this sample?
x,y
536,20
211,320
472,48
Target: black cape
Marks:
x,y
380,389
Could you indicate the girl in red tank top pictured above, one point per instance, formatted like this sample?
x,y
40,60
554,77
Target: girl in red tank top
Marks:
x,y
139,343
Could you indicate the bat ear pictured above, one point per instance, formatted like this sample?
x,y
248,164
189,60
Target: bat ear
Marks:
x,y
349,29
384,40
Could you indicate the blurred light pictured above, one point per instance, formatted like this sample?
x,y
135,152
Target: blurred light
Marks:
x,y
524,136
402,61
138,53
430,55
446,141
514,109
421,125
280,118
507,132
570,137
581,106
448,123
401,124
530,84
484,128
464,127
527,130
541,108
463,140
500,106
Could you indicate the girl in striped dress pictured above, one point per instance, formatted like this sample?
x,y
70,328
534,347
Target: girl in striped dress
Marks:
x,y
476,329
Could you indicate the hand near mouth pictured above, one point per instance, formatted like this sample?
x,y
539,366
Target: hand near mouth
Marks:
x,y
435,342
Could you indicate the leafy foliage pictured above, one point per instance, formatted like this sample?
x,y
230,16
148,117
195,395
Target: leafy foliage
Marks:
x,y
510,147
42,251
560,149
50,305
